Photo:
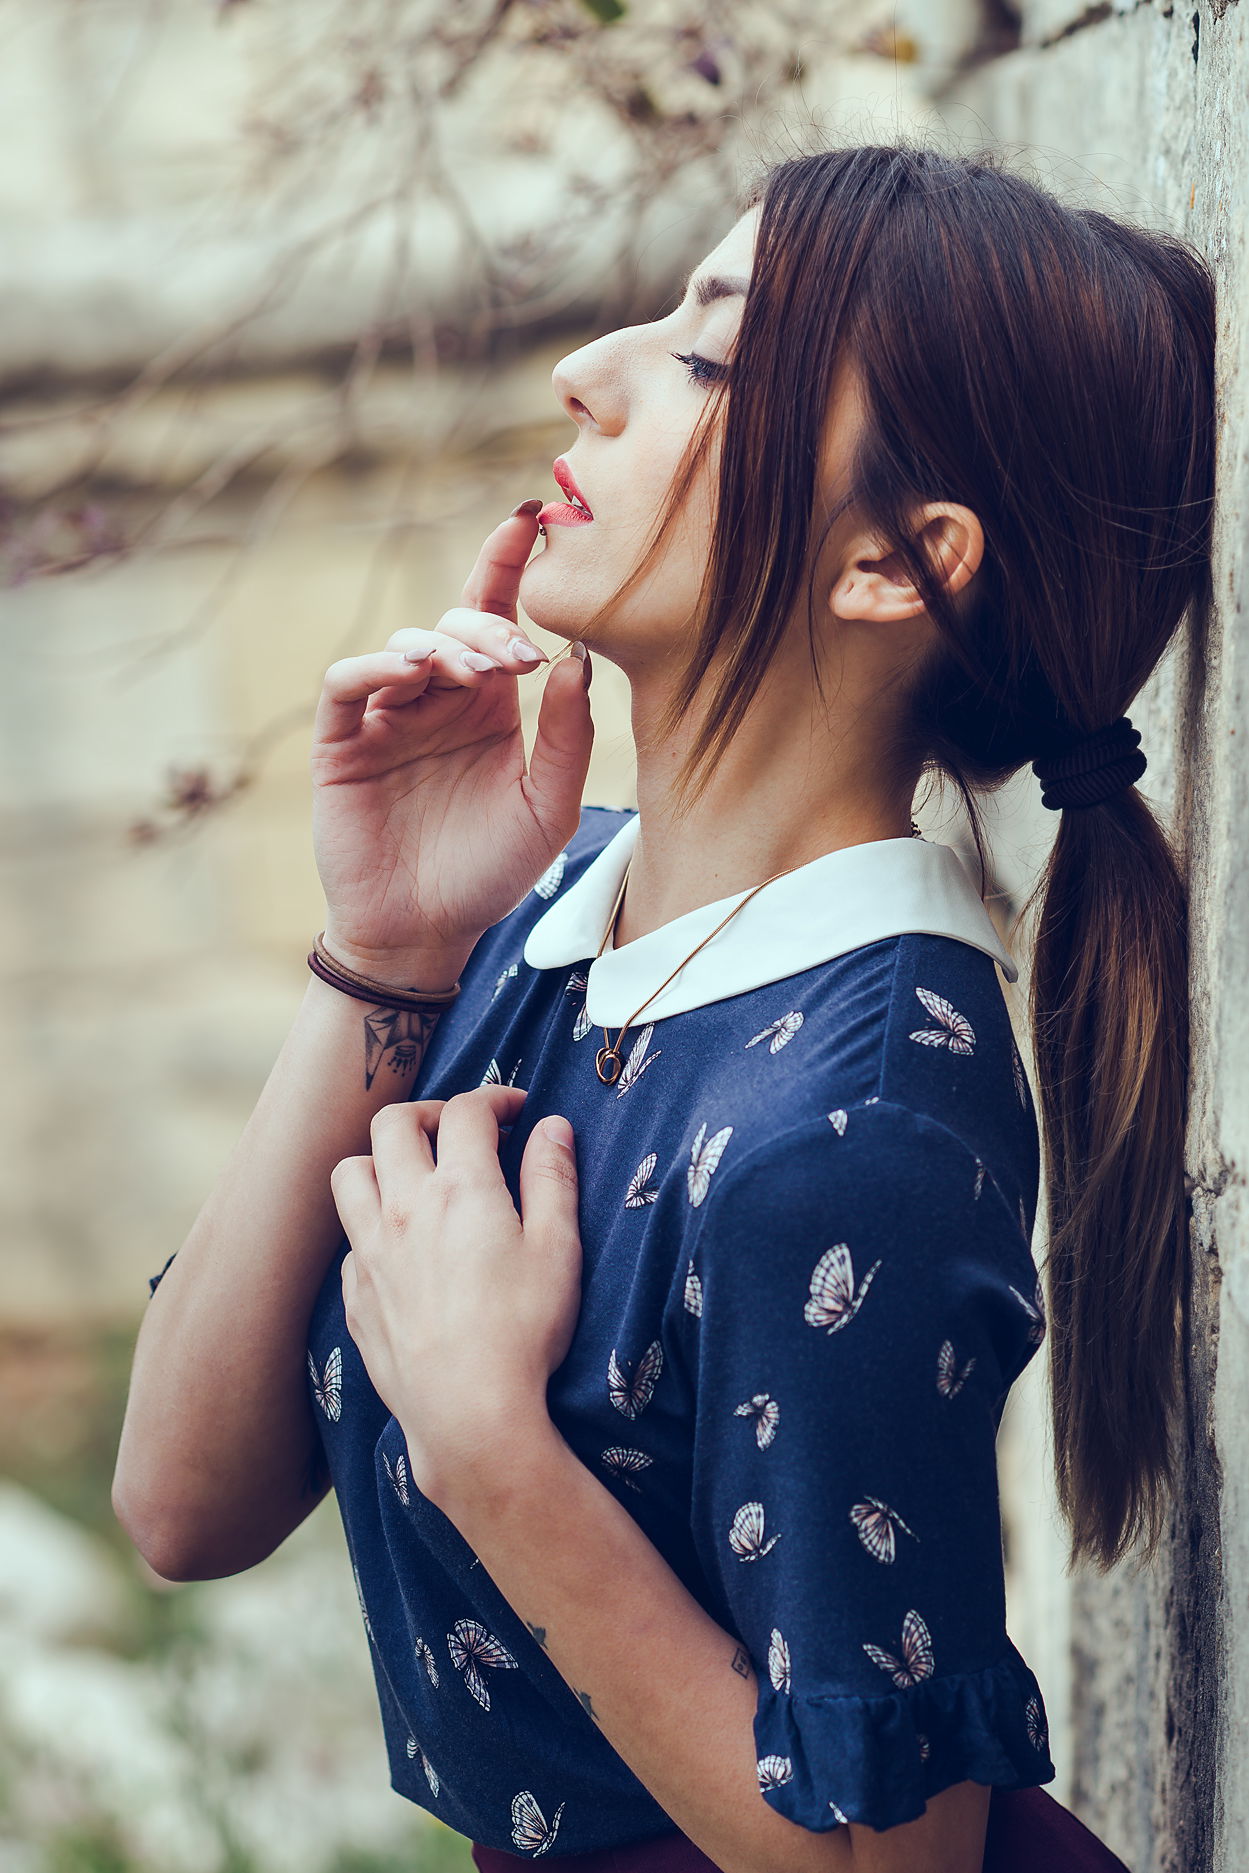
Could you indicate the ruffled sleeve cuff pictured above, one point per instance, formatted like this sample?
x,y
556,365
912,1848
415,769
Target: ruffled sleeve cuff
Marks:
x,y
826,1758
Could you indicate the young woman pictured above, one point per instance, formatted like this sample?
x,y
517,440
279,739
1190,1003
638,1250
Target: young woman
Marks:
x,y
685,1158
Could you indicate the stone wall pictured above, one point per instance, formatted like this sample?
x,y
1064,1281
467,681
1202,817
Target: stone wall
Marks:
x,y
1141,109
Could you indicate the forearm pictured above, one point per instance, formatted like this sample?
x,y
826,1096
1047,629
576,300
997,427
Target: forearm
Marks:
x,y
673,1692
218,1453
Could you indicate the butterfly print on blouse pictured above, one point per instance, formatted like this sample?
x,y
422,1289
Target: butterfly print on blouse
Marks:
x,y
703,1161
766,1413
472,1648
746,1533
641,1190
327,1386
916,1661
431,1774
1021,1084
364,1611
398,1477
839,1120
953,1031
529,1829
979,1184
501,982
838,1815
552,878
922,1740
778,1661
834,1299
577,984
773,1771
493,1075
951,1378
777,1033
633,1395
625,1464
427,1659
1035,1310
874,1524
693,1293
637,1060
1034,1717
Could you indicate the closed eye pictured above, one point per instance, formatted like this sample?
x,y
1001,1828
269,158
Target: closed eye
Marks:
x,y
701,370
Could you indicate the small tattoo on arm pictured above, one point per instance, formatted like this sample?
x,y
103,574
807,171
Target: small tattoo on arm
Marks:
x,y
741,1662
399,1035
539,1633
583,1698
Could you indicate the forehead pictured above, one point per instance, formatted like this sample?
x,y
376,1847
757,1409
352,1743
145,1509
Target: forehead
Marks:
x,y
735,253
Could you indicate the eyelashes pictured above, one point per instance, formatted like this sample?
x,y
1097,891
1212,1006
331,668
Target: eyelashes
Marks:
x,y
701,370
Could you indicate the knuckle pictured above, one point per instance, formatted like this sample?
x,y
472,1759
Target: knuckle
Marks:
x,y
459,618
388,1119
557,1171
452,1182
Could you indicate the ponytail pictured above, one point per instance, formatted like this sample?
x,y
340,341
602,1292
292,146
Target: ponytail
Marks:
x,y
1109,1015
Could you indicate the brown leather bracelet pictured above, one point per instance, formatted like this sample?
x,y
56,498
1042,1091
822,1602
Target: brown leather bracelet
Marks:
x,y
363,988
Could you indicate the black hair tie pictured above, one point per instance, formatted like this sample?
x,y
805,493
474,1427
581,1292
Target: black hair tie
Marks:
x,y
1093,769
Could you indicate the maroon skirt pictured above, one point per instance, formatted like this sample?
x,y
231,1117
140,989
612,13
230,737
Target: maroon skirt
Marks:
x,y
1029,1832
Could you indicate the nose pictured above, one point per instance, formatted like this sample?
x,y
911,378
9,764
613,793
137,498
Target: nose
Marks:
x,y
565,381
589,389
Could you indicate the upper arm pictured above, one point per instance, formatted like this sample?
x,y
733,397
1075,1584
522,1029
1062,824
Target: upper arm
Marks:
x,y
867,1301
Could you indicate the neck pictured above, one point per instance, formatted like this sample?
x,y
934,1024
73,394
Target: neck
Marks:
x,y
794,783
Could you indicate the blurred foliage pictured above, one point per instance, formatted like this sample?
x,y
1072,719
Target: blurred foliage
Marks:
x,y
62,1400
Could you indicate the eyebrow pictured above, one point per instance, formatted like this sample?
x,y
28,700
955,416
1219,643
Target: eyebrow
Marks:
x,y
712,286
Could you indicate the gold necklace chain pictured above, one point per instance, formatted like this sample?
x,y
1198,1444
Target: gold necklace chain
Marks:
x,y
607,1061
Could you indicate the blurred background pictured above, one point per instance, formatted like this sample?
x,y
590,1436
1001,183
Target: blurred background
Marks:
x,y
284,284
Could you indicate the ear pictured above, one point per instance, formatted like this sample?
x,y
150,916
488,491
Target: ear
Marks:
x,y
873,584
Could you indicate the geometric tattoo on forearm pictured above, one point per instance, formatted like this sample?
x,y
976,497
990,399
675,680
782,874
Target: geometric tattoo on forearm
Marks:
x,y
400,1035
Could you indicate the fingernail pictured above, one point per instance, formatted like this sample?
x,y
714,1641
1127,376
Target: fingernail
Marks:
x,y
528,507
529,653
579,650
583,656
417,656
559,1131
473,660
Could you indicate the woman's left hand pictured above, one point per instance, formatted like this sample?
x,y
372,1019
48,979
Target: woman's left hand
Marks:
x,y
461,1310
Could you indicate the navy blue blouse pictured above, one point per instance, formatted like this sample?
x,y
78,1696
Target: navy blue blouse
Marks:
x,y
807,1291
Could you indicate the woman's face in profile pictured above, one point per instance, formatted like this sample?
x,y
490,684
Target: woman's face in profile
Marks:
x,y
635,405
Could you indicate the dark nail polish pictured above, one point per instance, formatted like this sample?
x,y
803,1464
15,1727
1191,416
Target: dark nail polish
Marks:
x,y
528,507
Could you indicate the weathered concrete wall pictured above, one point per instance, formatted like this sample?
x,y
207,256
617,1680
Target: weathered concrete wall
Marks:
x,y
1142,110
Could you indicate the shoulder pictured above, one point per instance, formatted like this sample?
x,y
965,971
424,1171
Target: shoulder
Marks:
x,y
807,1218
872,1158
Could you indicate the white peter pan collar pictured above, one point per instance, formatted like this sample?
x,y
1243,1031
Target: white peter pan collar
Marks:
x,y
831,905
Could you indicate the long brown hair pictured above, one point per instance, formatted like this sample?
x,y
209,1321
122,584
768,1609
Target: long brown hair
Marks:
x,y
1052,369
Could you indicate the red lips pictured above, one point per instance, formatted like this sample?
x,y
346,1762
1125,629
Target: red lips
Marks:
x,y
565,513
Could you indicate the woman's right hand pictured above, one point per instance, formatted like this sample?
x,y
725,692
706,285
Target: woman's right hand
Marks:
x,y
427,828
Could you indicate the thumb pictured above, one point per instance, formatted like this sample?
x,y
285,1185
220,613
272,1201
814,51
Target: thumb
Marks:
x,y
560,757
549,1184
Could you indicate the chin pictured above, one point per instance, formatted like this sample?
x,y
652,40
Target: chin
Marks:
x,y
551,600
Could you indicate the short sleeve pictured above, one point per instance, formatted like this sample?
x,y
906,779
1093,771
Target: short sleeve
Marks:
x,y
867,1298
154,1281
